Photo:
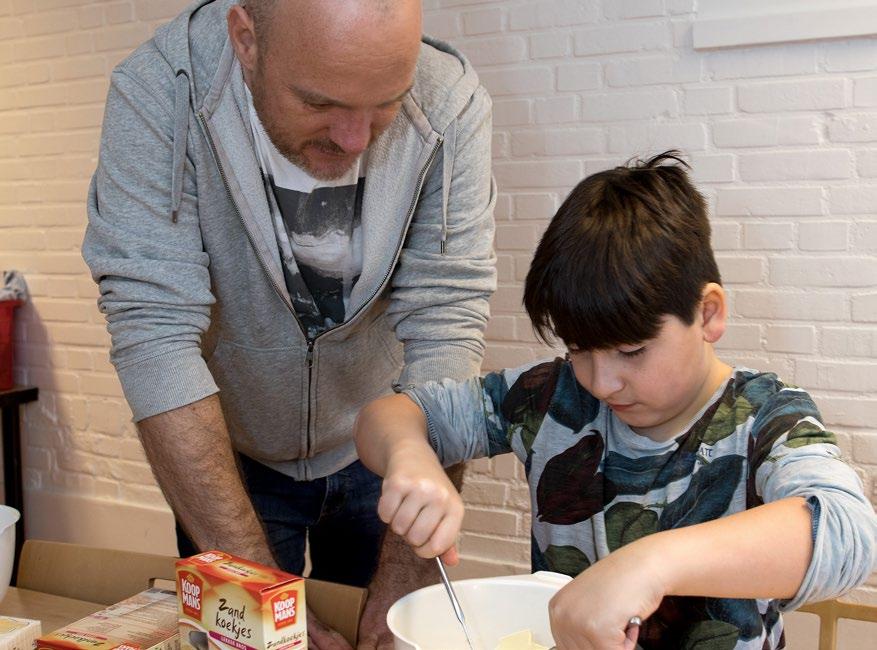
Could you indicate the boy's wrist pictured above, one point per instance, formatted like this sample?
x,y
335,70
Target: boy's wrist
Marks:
x,y
406,452
658,558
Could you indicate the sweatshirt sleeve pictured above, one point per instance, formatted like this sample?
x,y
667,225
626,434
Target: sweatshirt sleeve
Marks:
x,y
152,271
464,418
439,298
795,456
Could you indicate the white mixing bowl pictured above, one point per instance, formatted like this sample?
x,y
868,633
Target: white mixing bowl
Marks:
x,y
494,608
8,518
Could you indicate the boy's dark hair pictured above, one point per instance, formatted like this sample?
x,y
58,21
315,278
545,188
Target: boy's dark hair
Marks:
x,y
628,246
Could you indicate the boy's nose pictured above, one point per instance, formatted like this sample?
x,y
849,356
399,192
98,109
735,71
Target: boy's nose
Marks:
x,y
605,379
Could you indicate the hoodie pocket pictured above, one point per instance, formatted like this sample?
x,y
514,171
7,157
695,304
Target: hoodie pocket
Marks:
x,y
351,373
263,392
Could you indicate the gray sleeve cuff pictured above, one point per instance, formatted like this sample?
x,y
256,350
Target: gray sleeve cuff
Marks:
x,y
844,533
166,382
454,419
439,361
432,434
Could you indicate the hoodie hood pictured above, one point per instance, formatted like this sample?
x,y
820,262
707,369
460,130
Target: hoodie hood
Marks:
x,y
197,48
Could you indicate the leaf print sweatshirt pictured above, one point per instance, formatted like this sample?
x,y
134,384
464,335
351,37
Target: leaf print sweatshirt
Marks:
x,y
597,485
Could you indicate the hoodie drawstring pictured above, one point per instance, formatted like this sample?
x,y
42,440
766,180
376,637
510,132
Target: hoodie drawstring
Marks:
x,y
181,135
448,151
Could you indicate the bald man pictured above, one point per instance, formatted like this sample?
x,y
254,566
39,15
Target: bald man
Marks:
x,y
291,216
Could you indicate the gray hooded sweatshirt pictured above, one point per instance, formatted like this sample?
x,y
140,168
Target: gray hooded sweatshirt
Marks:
x,y
181,242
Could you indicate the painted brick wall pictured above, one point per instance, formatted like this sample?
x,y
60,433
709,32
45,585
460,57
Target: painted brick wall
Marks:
x,y
783,140
81,452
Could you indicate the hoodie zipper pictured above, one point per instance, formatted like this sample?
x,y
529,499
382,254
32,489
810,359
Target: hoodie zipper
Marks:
x,y
311,342
418,187
352,319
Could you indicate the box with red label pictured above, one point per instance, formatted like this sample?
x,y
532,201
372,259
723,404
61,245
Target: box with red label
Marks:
x,y
227,603
145,621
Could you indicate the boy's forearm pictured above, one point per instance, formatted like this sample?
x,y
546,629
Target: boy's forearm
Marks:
x,y
760,553
387,426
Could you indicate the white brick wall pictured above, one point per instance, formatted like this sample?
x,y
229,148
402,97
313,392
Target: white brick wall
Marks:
x,y
79,445
782,138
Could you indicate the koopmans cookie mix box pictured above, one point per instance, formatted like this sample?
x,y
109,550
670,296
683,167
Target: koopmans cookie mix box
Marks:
x,y
228,603
145,621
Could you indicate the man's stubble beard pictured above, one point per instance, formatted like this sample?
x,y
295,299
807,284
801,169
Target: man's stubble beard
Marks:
x,y
294,155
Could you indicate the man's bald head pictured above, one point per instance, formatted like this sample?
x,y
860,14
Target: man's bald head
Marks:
x,y
287,17
326,76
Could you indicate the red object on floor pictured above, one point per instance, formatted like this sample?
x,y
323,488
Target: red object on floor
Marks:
x,y
7,329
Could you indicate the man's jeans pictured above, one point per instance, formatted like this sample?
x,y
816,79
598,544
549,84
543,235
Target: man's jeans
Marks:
x,y
338,515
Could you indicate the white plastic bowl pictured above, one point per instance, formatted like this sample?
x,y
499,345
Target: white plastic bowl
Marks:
x,y
494,608
8,518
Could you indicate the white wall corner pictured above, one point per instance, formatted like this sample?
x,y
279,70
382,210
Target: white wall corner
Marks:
x,y
99,522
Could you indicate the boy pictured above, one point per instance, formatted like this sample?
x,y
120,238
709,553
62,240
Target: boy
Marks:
x,y
702,498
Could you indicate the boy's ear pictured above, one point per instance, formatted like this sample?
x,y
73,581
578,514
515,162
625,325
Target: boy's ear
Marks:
x,y
713,312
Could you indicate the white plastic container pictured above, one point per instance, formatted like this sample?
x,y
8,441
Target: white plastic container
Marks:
x,y
18,633
8,518
494,608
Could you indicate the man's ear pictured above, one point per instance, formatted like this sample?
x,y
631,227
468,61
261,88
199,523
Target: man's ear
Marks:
x,y
713,312
242,33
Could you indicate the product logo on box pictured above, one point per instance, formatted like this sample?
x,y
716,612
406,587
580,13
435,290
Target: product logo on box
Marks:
x,y
191,590
126,646
210,557
284,606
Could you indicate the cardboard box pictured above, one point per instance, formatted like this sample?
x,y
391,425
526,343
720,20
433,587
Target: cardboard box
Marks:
x,y
229,603
97,575
62,569
145,621
339,607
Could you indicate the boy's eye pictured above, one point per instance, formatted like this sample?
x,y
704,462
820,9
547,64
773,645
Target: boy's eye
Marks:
x,y
633,353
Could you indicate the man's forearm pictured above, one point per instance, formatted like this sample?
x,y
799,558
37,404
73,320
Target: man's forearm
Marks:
x,y
192,459
400,571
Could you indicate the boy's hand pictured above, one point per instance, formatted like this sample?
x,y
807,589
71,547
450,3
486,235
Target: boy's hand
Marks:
x,y
420,504
592,611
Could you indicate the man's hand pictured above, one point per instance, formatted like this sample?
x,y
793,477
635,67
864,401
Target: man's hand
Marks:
x,y
321,637
399,573
373,631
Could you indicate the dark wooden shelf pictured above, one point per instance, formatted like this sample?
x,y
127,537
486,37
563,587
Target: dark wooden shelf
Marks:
x,y
10,401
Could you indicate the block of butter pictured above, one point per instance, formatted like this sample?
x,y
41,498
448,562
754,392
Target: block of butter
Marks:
x,y
522,640
18,633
